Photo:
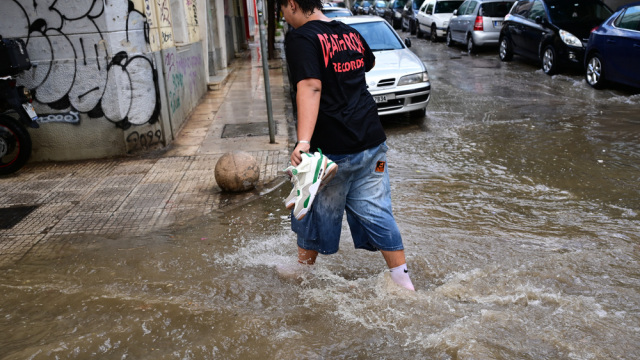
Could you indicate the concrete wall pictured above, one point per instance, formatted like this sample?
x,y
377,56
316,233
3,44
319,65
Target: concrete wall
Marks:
x,y
110,77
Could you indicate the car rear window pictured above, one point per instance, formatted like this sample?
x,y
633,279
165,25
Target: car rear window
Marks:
x,y
495,9
378,35
446,7
561,11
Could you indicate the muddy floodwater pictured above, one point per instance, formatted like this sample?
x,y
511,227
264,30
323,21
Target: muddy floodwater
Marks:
x,y
518,197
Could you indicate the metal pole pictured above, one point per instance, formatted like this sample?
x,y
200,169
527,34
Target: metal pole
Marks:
x,y
265,72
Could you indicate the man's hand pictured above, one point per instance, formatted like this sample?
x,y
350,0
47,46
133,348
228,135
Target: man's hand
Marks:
x,y
296,156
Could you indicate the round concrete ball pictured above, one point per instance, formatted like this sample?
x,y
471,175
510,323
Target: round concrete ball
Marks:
x,y
237,171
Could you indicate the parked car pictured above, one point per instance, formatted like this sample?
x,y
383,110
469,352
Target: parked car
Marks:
x,y
409,12
364,8
399,81
477,23
433,17
393,13
613,50
378,8
554,32
338,3
356,4
336,11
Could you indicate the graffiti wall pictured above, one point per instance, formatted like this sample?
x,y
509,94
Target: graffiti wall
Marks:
x,y
183,78
98,64
158,16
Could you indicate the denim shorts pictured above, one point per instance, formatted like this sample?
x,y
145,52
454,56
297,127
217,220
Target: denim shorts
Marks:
x,y
361,188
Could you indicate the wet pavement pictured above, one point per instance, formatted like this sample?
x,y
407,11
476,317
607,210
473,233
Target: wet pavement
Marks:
x,y
46,201
518,199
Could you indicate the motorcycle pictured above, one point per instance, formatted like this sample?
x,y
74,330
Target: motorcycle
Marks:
x,y
15,141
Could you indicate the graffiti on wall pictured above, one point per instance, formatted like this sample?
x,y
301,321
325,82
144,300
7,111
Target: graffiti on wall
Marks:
x,y
144,140
192,9
80,67
182,76
70,117
164,11
164,19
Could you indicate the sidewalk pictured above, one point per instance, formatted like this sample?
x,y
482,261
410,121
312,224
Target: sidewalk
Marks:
x,y
45,203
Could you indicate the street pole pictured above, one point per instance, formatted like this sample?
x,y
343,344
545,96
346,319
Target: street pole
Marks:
x,y
265,72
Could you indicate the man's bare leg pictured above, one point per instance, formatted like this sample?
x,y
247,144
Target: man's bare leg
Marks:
x,y
394,258
307,257
395,261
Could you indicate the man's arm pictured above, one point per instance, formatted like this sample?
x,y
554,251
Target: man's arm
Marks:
x,y
308,105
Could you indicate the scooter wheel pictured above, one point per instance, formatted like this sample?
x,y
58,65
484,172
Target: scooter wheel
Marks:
x,y
15,145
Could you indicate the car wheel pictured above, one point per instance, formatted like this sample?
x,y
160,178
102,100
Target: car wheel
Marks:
x,y
506,52
449,39
549,61
433,36
471,46
594,74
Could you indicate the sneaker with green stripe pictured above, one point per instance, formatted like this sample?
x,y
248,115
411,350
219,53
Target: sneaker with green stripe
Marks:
x,y
329,173
307,179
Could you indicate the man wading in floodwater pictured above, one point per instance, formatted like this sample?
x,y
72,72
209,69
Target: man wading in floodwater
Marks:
x,y
336,114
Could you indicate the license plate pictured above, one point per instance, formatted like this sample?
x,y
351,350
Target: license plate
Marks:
x,y
380,98
497,23
30,111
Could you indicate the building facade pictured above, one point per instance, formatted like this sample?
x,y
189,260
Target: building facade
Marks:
x,y
113,77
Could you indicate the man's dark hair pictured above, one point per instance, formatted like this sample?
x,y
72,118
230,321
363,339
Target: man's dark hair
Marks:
x,y
307,6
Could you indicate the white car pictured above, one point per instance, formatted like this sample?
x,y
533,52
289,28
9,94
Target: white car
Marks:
x,y
335,11
399,81
433,17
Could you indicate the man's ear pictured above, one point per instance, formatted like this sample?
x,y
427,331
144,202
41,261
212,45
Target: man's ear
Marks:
x,y
292,4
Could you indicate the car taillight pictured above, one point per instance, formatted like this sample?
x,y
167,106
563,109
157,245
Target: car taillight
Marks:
x,y
478,26
595,28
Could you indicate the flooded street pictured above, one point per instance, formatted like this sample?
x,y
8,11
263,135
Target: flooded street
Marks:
x,y
518,197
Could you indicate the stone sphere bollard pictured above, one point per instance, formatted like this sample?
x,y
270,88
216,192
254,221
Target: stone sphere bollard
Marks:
x,y
237,171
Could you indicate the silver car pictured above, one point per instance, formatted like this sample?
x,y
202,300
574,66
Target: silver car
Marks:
x,y
399,81
477,23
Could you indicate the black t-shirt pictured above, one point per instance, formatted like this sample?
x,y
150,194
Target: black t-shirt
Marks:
x,y
337,55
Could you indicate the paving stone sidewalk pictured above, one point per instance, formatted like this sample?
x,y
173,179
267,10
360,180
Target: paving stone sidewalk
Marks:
x,y
48,203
